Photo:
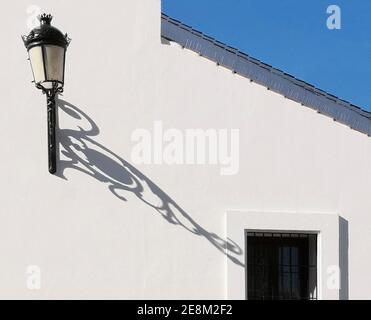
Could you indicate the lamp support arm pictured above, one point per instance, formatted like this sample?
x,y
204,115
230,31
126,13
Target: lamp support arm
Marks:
x,y
52,147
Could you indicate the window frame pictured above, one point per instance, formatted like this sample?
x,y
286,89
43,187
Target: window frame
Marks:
x,y
326,225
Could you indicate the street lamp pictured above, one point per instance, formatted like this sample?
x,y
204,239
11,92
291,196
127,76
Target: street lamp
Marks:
x,y
46,48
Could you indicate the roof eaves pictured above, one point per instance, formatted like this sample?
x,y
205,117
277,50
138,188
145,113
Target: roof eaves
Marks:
x,y
264,74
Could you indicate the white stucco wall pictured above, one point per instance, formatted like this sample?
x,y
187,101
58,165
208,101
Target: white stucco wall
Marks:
x,y
90,243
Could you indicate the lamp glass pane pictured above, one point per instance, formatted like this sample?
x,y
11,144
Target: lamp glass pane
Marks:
x,y
54,62
37,64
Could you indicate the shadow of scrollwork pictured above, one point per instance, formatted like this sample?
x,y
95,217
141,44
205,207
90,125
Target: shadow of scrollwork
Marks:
x,y
83,153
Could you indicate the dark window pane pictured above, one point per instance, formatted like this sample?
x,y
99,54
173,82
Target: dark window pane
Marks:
x,y
281,267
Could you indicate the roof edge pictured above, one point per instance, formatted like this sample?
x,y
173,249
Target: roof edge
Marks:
x,y
273,79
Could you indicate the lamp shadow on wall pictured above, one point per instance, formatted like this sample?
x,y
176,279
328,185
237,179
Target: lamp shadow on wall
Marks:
x,y
83,153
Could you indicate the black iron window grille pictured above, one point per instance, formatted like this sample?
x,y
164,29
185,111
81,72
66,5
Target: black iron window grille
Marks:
x,y
281,266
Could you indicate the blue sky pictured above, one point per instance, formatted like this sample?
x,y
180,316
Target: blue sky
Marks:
x,y
292,35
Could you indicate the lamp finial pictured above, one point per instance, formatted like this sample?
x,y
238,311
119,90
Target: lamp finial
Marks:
x,y
45,18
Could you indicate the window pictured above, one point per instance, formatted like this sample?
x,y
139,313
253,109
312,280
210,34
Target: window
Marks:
x,y
281,266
